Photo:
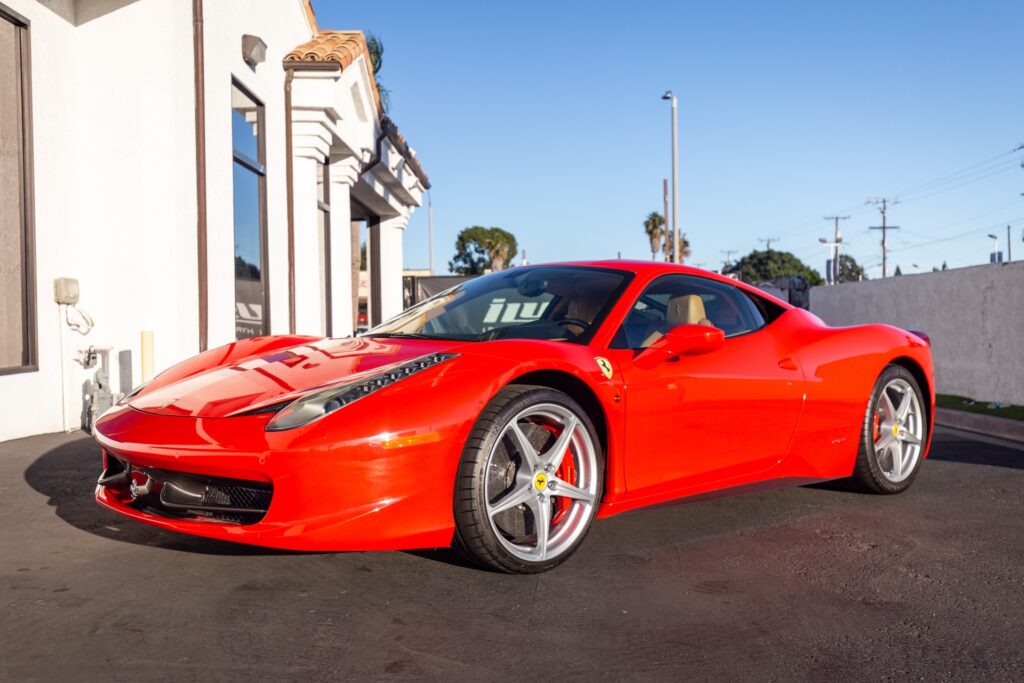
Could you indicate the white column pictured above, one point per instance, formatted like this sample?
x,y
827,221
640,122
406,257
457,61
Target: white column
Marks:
x,y
385,259
311,145
343,173
308,305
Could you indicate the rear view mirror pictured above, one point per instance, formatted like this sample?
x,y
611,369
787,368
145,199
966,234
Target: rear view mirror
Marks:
x,y
682,340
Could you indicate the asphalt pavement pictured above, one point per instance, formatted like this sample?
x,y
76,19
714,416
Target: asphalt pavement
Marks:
x,y
811,583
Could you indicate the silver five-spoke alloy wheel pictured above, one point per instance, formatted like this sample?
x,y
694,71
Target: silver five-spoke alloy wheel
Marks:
x,y
898,430
542,482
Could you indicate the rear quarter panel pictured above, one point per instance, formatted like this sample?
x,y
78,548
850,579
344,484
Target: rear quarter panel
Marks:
x,y
840,367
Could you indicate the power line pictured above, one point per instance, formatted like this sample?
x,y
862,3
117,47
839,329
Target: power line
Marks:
x,y
999,158
961,235
768,241
957,183
963,176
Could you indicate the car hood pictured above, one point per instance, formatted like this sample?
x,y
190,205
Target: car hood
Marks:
x,y
278,376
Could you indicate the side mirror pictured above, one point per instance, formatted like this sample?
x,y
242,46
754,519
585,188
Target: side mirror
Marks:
x,y
682,340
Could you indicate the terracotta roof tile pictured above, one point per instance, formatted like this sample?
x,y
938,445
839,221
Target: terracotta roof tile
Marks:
x,y
339,47
343,48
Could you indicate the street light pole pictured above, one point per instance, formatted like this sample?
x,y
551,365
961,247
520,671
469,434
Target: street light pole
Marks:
x,y
430,231
995,249
675,174
832,274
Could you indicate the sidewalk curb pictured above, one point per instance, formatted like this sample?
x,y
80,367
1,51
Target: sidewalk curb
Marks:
x,y
999,427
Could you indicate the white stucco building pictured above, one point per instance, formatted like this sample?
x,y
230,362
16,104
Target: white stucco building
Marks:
x,y
198,167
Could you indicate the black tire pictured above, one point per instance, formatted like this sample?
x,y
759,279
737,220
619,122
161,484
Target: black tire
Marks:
x,y
868,475
475,536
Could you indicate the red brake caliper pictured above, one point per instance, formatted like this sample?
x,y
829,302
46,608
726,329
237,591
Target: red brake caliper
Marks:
x,y
567,473
875,424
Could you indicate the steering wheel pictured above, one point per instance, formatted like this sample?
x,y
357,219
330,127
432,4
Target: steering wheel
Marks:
x,y
582,324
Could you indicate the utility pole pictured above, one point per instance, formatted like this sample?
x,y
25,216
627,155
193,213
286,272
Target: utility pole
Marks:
x,y
883,205
1009,248
728,255
768,242
664,193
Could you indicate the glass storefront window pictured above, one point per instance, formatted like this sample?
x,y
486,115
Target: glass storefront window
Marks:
x,y
249,187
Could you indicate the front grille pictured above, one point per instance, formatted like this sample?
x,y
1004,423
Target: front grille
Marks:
x,y
178,495
230,495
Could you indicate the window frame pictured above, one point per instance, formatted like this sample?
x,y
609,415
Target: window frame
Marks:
x,y
30,359
738,291
259,168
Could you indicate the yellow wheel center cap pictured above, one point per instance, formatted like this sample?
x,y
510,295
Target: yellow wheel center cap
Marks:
x,y
540,481
895,430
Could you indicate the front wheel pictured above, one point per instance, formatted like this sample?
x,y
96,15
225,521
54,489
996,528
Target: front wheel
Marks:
x,y
894,435
529,481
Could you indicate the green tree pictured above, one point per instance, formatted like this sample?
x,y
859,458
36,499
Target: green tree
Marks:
x,y
654,226
758,266
478,249
850,270
897,272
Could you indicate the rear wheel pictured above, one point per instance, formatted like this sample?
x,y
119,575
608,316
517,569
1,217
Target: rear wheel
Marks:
x,y
894,435
529,481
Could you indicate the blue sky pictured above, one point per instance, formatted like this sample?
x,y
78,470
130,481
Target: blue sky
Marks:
x,y
545,118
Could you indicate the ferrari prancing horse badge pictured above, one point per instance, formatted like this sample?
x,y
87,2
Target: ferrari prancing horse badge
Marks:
x,y
605,366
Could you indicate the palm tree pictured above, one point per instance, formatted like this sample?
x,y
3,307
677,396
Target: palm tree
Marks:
x,y
684,248
376,49
654,227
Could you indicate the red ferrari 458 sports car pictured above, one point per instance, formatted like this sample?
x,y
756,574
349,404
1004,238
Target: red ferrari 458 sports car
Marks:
x,y
505,414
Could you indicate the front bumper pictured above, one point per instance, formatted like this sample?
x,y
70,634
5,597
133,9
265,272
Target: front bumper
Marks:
x,y
324,489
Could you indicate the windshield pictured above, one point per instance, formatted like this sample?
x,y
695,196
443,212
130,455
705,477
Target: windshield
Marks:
x,y
558,303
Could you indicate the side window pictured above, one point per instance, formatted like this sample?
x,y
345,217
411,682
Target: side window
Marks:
x,y
675,300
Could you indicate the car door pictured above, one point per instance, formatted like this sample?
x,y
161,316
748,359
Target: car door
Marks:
x,y
722,416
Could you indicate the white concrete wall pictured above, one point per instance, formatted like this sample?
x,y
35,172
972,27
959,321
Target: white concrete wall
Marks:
x,y
114,180
113,194
114,156
974,316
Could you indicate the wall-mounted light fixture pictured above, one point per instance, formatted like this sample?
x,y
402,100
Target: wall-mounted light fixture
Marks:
x,y
254,50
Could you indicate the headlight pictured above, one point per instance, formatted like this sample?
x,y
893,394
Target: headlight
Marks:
x,y
316,405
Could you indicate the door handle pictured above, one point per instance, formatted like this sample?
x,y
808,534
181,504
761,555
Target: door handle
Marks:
x,y
788,364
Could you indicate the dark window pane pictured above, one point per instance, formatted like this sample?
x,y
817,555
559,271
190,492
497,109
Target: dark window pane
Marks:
x,y
13,350
248,262
250,270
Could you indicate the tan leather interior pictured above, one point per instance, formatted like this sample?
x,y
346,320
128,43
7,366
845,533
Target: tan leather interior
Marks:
x,y
687,309
584,308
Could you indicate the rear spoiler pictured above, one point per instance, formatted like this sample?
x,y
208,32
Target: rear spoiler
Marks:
x,y
922,335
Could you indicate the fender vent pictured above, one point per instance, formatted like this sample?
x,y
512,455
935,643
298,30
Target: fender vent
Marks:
x,y
266,410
